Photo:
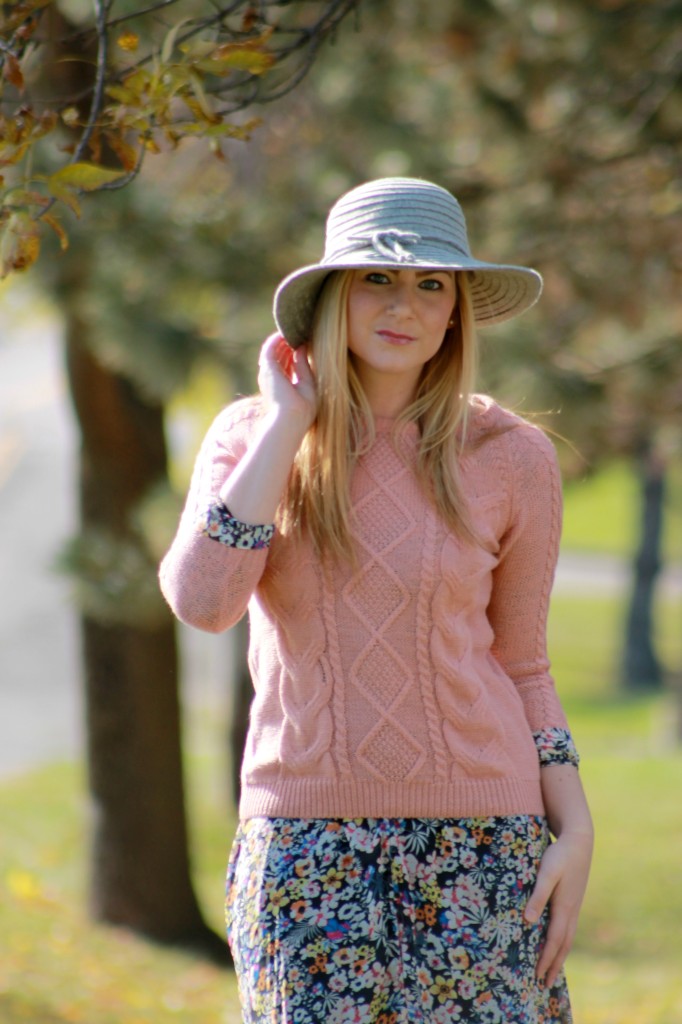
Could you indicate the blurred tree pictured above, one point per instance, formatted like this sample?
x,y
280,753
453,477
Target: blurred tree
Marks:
x,y
559,125
641,666
134,324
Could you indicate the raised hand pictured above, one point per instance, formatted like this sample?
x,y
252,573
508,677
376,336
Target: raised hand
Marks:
x,y
286,380
253,490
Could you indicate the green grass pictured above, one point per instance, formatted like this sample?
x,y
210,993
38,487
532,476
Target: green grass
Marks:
x,y
584,638
57,966
602,512
625,965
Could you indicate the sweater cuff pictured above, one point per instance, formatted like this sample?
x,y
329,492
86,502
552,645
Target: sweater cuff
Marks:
x,y
217,523
556,746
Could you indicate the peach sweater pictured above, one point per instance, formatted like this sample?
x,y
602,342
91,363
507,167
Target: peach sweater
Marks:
x,y
411,687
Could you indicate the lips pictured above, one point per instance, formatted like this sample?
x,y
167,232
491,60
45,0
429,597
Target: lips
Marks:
x,y
395,338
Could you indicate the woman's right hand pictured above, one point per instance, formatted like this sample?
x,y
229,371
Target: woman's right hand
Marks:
x,y
286,380
254,488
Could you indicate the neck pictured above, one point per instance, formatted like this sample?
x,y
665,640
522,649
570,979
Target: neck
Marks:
x,y
388,398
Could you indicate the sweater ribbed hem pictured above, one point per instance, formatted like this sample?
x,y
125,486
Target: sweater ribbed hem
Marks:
x,y
327,798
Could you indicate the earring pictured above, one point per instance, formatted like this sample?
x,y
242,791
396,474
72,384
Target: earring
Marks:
x,y
451,323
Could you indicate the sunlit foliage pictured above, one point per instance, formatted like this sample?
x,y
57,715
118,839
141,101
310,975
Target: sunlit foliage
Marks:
x,y
97,87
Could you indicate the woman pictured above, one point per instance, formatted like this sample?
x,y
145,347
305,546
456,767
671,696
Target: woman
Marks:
x,y
394,537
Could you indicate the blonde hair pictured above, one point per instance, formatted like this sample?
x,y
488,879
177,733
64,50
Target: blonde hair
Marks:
x,y
318,494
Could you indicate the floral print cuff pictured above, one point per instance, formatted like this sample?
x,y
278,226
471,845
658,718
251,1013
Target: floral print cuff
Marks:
x,y
218,524
556,746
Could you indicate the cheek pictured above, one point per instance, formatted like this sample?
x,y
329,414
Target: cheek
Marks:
x,y
359,302
439,318
359,311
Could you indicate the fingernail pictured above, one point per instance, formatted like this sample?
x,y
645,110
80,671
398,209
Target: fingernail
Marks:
x,y
530,915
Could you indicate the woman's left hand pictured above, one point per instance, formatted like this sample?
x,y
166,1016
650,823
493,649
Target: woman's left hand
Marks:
x,y
565,866
561,883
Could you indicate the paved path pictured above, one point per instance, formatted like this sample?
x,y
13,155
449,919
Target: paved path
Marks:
x,y
40,705
40,689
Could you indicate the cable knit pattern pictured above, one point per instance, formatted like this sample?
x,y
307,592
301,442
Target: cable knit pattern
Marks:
x,y
379,673
411,685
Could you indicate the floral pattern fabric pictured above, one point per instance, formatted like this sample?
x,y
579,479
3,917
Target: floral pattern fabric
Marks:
x,y
219,524
389,921
555,746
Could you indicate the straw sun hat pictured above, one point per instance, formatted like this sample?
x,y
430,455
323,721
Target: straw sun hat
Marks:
x,y
402,223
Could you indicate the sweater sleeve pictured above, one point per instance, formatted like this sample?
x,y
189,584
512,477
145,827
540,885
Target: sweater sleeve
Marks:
x,y
209,585
523,578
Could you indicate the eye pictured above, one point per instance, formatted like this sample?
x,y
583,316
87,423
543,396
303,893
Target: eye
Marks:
x,y
431,284
376,277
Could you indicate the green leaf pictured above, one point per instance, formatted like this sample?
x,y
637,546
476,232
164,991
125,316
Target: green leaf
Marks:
x,y
256,62
83,176
202,99
66,196
123,95
169,41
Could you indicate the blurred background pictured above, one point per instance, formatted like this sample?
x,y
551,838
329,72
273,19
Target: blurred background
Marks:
x,y
558,125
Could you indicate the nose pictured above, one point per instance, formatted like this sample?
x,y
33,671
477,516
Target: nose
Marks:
x,y
401,297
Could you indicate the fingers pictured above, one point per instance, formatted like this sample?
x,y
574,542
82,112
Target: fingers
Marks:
x,y
560,933
557,946
275,349
286,380
550,891
302,366
539,898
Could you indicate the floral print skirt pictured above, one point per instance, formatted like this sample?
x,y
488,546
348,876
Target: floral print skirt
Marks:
x,y
389,920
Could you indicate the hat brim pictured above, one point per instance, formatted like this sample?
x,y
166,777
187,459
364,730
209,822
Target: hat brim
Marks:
x,y
498,292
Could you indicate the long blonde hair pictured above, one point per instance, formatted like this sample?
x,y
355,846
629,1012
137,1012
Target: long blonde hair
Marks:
x,y
317,498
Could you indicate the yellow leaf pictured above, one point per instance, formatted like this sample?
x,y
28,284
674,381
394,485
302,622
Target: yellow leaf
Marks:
x,y
126,153
19,250
23,885
70,116
24,197
128,41
196,49
256,62
58,229
66,196
202,99
148,142
83,176
123,95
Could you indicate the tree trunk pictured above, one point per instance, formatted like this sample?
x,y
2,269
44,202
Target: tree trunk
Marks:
x,y
140,867
641,666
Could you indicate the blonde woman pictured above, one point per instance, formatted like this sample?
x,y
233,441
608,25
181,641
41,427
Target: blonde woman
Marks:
x,y
413,840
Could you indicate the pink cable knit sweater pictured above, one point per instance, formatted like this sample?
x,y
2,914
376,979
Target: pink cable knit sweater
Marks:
x,y
412,686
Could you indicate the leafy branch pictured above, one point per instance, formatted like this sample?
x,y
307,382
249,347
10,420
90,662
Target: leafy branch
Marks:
x,y
89,101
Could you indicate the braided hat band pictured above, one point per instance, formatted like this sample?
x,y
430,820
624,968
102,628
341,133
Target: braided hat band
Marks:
x,y
402,223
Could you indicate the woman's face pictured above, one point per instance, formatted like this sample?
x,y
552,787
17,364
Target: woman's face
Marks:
x,y
396,322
